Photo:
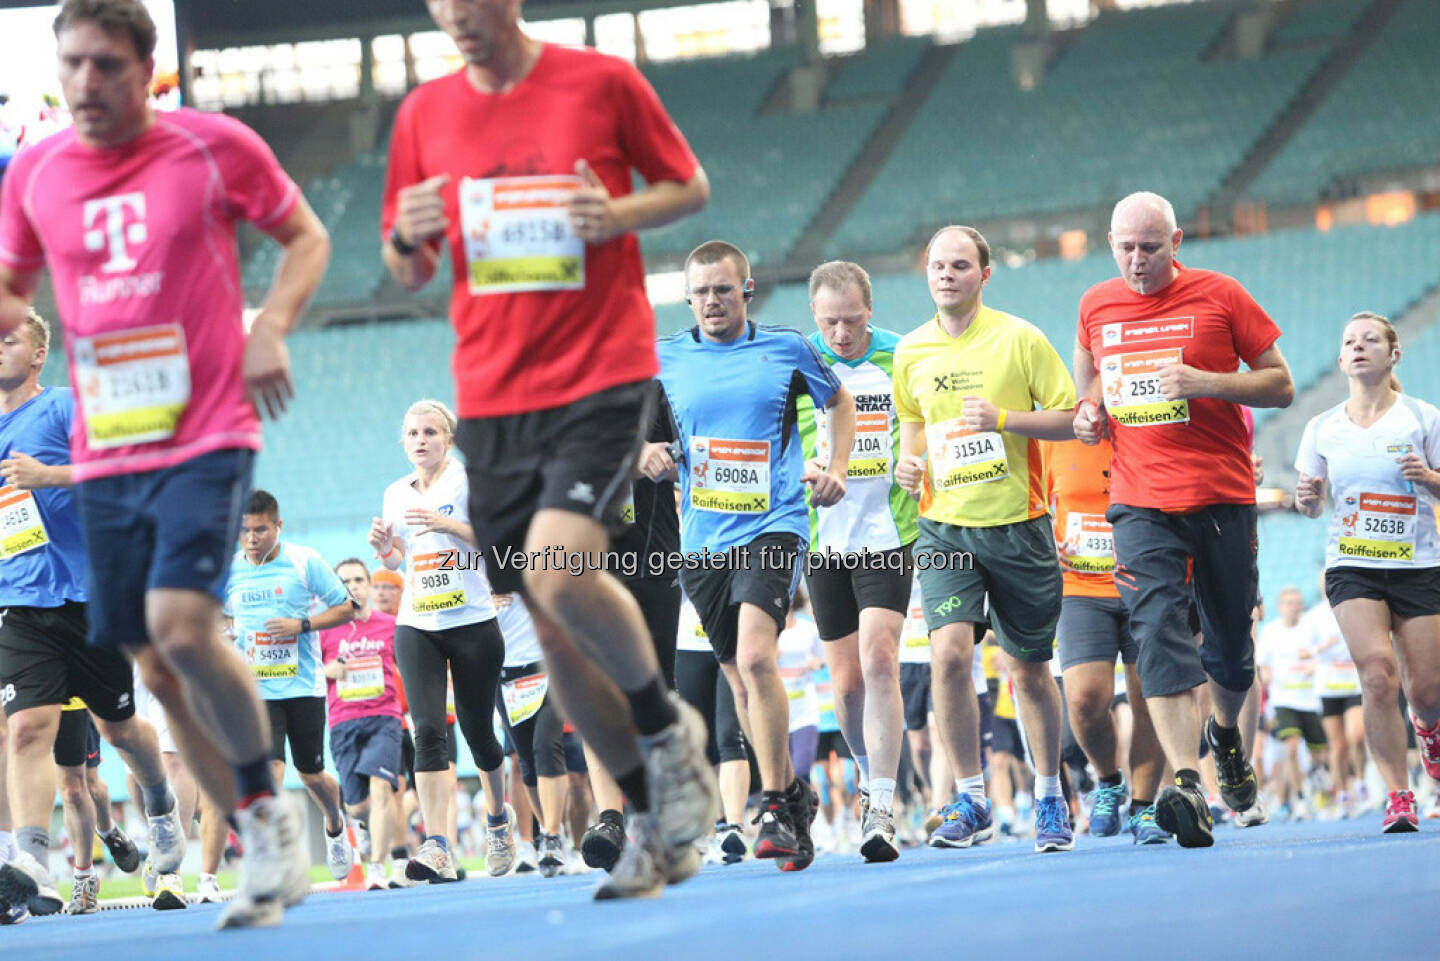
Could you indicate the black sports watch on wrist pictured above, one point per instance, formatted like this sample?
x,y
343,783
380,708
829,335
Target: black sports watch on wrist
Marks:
x,y
304,625
402,248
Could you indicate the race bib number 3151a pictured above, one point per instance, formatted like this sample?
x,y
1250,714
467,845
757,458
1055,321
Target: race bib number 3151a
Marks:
x,y
517,234
960,457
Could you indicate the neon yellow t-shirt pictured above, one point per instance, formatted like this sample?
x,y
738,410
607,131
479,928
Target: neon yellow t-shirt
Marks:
x,y
979,478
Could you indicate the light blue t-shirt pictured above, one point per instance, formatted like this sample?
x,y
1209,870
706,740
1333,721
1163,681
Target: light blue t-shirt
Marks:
x,y
734,406
295,583
42,550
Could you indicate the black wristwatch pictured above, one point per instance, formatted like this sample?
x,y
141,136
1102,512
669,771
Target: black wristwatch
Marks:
x,y
304,625
401,247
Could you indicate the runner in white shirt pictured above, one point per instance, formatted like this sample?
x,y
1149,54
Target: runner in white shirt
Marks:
x,y
1372,454
699,680
446,620
800,656
1286,660
1341,713
536,728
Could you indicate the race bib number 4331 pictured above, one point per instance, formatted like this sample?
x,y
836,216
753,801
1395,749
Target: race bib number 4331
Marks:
x,y
517,234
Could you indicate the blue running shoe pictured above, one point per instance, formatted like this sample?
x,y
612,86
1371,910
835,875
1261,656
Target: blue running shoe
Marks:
x,y
966,823
1052,825
1143,828
1105,814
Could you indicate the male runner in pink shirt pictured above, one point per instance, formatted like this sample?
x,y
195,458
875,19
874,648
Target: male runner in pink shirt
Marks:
x,y
134,213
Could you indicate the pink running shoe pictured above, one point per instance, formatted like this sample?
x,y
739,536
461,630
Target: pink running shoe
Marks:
x,y
1400,814
1428,740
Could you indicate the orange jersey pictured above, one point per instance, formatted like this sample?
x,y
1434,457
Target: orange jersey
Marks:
x,y
1078,483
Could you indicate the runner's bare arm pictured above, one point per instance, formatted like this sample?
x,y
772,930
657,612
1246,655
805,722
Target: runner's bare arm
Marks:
x,y
1054,424
1266,384
419,219
842,431
1089,423
17,287
910,465
342,613
305,254
25,472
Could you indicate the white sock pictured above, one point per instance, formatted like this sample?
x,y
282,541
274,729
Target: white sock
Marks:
x,y
973,786
81,873
882,794
1048,785
862,763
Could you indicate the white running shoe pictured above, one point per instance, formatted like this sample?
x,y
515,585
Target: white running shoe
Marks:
x,y
640,872
208,890
339,855
84,895
167,840
526,859
24,880
375,879
275,873
398,877
732,843
1253,816
552,855
431,863
879,843
500,846
678,776
362,838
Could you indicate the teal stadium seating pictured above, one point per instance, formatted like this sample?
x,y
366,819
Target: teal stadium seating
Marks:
x,y
1373,120
1313,21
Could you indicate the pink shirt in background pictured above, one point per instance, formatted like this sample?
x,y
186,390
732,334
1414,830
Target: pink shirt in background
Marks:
x,y
140,242
368,647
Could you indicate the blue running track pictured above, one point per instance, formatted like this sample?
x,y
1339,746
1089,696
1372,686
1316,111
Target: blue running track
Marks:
x,y
1296,891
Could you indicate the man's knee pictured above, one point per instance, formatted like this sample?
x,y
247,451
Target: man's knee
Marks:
x,y
33,729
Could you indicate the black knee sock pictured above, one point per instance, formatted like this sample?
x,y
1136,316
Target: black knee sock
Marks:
x,y
651,707
633,784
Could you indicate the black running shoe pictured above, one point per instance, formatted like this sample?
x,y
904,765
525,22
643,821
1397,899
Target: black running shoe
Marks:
x,y
777,836
804,806
1237,778
604,841
122,850
1182,811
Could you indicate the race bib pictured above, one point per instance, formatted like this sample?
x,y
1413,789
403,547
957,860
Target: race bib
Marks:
x,y
435,588
517,234
21,527
1382,527
135,384
272,658
627,508
794,679
364,679
1132,388
730,476
960,457
870,452
524,696
1089,544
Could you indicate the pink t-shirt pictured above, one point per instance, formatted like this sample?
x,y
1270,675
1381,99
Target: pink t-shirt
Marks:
x,y
368,647
140,241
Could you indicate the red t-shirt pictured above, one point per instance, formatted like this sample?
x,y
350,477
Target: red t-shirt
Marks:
x,y
554,343
1175,455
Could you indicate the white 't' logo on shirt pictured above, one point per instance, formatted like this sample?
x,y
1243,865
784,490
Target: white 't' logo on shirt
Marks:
x,y
114,233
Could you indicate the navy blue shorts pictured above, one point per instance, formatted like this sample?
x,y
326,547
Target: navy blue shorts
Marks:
x,y
169,528
364,748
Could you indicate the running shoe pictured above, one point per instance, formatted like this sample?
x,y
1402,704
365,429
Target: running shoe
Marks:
x,y
149,878
640,871
1400,816
731,842
965,823
500,846
84,896
1432,810
1105,812
167,839
339,855
431,863
208,890
1252,816
122,850
1143,828
604,841
862,801
804,807
552,854
24,880
879,830
1232,769
169,893
933,820
527,861
275,873
1052,826
1427,739
776,837
399,878
375,879
681,784
12,913
1181,810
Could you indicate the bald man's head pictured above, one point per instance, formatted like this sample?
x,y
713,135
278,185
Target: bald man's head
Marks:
x,y
1144,240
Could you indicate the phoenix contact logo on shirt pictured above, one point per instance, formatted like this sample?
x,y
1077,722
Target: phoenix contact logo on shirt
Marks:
x,y
1129,332
872,403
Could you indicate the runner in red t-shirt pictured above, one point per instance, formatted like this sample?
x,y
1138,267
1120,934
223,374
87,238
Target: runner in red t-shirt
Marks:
x,y
135,214
522,161
1157,366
